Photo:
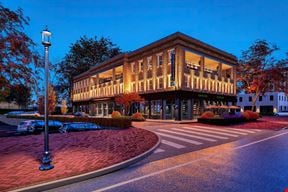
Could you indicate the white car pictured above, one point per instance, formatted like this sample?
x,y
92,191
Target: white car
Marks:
x,y
26,126
281,114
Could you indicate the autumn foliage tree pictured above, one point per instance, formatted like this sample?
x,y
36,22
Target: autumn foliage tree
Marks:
x,y
127,99
64,108
259,72
17,54
51,101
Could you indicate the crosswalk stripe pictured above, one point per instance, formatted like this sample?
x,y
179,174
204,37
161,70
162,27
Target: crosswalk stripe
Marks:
x,y
172,144
221,129
210,131
204,134
159,150
180,138
244,130
187,135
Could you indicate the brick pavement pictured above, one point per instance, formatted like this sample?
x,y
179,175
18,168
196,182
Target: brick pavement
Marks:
x,y
73,154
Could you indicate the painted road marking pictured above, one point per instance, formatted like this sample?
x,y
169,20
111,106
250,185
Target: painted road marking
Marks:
x,y
204,134
187,135
172,144
159,150
221,129
180,138
183,164
210,131
245,130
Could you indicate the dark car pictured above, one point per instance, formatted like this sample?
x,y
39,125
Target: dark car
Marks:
x,y
78,126
80,114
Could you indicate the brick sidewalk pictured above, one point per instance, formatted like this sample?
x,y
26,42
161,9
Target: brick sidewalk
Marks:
x,y
73,154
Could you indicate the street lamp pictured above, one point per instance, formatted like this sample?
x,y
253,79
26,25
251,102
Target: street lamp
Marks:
x,y
46,159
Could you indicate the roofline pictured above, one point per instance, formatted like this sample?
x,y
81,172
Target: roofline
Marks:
x,y
173,37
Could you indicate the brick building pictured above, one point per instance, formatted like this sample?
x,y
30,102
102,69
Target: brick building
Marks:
x,y
177,76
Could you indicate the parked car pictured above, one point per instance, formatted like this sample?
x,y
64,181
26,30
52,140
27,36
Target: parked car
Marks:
x,y
26,126
37,126
80,114
281,113
14,113
78,126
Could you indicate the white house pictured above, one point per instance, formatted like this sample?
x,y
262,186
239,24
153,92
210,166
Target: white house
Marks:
x,y
270,102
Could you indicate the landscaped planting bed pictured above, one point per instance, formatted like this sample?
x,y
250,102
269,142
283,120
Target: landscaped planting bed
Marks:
x,y
104,122
72,153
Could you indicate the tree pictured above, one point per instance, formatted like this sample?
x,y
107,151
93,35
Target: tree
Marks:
x,y
17,52
21,94
51,101
83,54
64,107
259,72
127,99
4,88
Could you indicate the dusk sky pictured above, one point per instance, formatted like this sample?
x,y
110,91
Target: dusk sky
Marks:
x,y
231,25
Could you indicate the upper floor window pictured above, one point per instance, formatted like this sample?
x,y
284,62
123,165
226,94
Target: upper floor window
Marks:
x,y
271,97
141,65
260,98
149,63
240,99
250,98
170,52
133,70
159,60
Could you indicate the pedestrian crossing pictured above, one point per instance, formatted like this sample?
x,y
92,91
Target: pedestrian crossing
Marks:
x,y
196,135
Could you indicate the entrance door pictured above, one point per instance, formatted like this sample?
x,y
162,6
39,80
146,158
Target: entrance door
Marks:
x,y
170,109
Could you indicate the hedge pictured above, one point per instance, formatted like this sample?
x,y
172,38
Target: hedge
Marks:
x,y
105,122
221,121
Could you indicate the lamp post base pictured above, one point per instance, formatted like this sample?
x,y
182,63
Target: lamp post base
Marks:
x,y
46,162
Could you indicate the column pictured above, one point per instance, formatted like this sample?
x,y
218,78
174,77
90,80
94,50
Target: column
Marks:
x,y
113,81
126,77
189,108
179,66
201,73
164,108
164,69
145,65
154,70
177,107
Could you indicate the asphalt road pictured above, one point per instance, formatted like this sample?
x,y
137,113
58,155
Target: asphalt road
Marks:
x,y
257,163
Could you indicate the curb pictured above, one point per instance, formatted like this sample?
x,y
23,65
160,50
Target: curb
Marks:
x,y
89,175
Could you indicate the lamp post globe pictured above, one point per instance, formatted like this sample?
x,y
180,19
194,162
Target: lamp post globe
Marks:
x,y
46,159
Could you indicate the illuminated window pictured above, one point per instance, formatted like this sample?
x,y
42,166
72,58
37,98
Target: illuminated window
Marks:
x,y
160,83
186,81
141,86
170,55
159,60
141,65
149,63
133,70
